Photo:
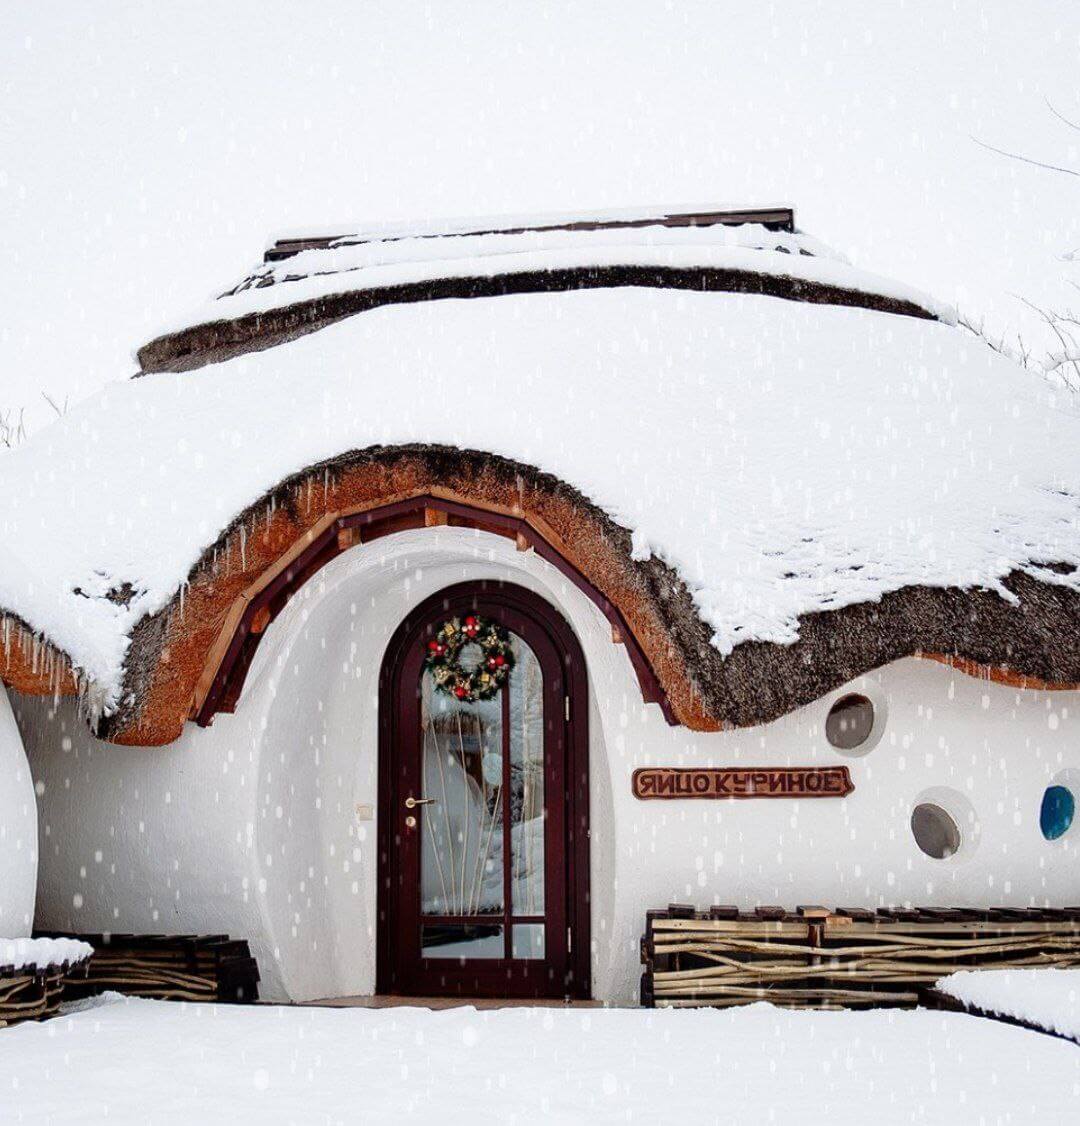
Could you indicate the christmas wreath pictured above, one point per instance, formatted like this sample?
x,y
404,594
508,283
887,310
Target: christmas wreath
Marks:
x,y
443,659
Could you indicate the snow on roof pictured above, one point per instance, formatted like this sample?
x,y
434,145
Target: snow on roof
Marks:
x,y
396,256
783,458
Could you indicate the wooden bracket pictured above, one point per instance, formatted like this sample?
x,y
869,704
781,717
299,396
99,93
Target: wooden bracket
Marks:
x,y
348,537
260,620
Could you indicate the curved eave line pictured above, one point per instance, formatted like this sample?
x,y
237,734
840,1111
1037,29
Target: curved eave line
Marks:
x,y
220,340
189,660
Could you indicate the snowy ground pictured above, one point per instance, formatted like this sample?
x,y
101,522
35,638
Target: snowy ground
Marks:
x,y
135,1061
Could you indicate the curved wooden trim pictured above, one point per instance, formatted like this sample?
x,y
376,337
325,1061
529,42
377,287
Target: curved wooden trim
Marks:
x,y
230,657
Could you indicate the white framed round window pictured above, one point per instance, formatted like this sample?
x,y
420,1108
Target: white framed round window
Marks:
x,y
944,824
852,725
935,831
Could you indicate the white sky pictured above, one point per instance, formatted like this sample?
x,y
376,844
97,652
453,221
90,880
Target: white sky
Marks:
x,y
148,151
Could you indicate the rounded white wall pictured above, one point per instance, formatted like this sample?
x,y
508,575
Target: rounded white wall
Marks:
x,y
18,830
263,825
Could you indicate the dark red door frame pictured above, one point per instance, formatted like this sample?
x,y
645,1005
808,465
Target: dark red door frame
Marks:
x,y
398,965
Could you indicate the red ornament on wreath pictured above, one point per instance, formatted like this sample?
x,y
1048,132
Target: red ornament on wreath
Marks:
x,y
443,658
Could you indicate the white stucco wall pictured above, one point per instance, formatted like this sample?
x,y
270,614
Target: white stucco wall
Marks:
x,y
18,830
252,826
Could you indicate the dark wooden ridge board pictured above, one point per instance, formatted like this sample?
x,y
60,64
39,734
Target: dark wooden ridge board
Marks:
x,y
211,968
843,957
773,218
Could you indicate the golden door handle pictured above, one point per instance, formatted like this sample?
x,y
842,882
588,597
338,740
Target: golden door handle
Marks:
x,y
412,803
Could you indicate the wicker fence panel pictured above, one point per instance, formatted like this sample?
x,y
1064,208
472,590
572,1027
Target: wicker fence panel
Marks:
x,y
822,958
34,994
169,968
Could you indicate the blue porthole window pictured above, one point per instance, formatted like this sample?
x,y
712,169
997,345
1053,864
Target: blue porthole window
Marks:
x,y
1057,812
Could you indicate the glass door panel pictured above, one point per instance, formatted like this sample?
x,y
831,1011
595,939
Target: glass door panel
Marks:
x,y
482,818
526,783
462,843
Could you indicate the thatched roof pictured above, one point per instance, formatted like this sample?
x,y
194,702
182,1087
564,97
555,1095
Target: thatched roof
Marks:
x,y
307,283
766,496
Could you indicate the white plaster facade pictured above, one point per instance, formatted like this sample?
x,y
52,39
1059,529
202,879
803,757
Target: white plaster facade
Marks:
x,y
263,825
18,830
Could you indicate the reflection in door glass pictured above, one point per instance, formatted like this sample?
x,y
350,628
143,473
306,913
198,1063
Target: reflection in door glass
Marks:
x,y
463,940
526,782
528,940
461,847
483,772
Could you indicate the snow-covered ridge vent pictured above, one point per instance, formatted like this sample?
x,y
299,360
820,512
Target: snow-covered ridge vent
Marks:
x,y
766,242
772,229
779,218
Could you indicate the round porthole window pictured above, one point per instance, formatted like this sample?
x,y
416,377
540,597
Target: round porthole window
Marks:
x,y
935,831
850,722
1057,812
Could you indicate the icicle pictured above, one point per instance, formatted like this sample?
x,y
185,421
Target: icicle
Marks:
x,y
243,547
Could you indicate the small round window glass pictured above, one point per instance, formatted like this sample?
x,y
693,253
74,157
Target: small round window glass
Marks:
x,y
849,722
1057,812
935,831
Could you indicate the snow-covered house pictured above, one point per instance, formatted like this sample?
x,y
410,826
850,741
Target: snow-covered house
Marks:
x,y
368,620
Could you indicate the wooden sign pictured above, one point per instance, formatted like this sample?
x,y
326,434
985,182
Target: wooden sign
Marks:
x,y
743,782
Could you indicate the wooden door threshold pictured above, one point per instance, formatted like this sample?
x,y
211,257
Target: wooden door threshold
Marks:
x,y
393,1001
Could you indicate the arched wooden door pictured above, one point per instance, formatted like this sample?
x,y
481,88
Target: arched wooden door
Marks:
x,y
483,810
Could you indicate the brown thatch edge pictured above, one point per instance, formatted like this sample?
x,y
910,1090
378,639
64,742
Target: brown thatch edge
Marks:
x,y
977,629
215,341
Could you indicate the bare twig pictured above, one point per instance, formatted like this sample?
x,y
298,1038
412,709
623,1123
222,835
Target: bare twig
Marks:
x,y
1019,352
60,410
1060,116
12,428
1027,159
1061,367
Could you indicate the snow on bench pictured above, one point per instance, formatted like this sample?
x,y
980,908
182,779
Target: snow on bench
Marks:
x,y
1047,999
